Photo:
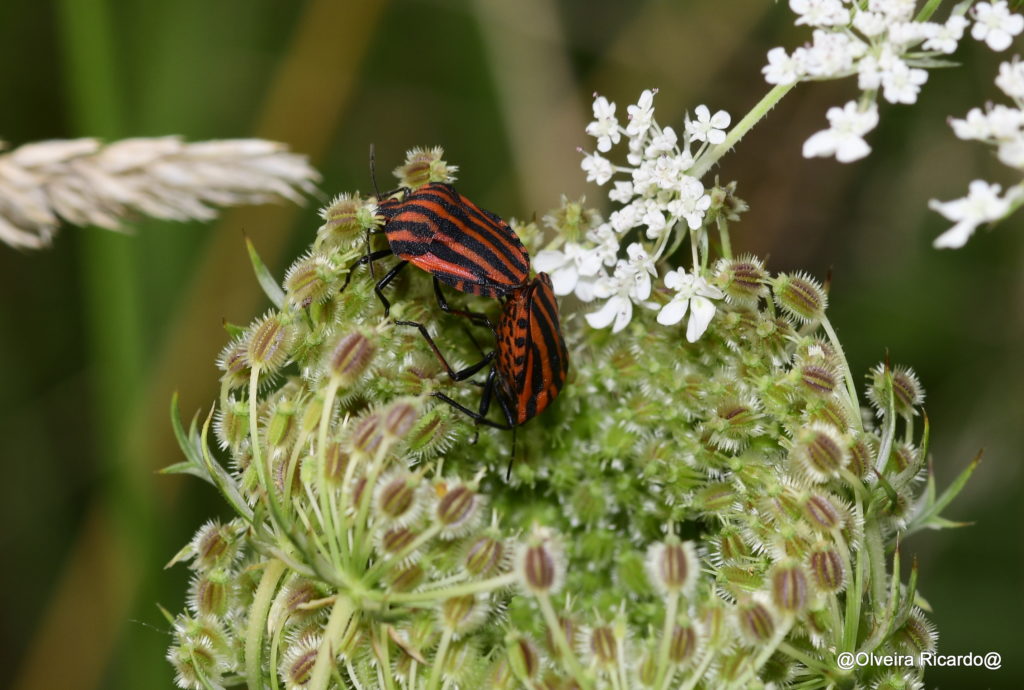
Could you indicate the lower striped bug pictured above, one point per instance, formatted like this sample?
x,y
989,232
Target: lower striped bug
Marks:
x,y
528,366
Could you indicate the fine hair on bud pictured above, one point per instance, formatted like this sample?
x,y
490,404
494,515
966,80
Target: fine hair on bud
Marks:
x,y
233,360
346,219
800,296
399,499
789,588
828,573
601,645
486,556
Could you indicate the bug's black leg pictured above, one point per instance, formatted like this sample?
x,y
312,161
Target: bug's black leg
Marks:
x,y
461,375
465,410
474,316
383,283
365,259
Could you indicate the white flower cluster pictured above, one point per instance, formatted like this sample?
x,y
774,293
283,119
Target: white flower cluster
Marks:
x,y
887,48
657,198
1001,126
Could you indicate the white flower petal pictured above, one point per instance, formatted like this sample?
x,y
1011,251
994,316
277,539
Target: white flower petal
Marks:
x,y
673,312
549,260
563,280
701,313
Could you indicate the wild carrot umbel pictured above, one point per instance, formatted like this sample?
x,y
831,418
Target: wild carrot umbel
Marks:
x,y
699,506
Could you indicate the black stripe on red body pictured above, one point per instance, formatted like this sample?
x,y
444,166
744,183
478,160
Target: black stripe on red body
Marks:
x,y
532,358
464,246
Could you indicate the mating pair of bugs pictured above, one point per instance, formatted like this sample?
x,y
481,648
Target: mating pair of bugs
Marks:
x,y
474,251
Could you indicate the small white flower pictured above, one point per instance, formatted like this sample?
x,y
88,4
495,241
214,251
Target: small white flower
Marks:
x,y
708,127
894,10
617,311
1004,122
605,125
1012,152
1011,79
654,219
833,54
572,267
820,12
901,35
622,193
627,217
781,68
974,126
870,24
643,269
845,137
981,205
691,204
606,243
902,83
640,114
693,293
948,35
995,24
598,168
662,143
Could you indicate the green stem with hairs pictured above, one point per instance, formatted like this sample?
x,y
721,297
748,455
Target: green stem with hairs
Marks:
x,y
851,389
558,635
756,114
439,658
341,614
272,573
660,680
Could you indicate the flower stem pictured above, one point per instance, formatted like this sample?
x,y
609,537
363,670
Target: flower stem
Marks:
x,y
851,389
666,639
439,659
558,635
711,156
258,622
341,614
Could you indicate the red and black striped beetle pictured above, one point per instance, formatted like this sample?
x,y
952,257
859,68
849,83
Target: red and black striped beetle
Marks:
x,y
450,237
530,364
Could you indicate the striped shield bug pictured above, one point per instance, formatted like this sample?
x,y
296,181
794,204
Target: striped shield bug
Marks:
x,y
529,366
453,239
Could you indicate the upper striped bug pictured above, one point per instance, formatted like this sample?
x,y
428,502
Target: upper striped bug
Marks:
x,y
457,242
529,365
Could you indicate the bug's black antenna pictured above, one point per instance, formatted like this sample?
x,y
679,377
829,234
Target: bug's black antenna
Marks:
x,y
373,172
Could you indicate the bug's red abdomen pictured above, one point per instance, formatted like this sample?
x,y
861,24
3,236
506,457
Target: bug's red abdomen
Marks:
x,y
464,246
532,358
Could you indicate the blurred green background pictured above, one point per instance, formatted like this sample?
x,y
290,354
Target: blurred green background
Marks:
x,y
97,333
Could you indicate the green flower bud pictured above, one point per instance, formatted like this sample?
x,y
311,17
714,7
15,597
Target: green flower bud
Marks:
x,y
422,166
683,643
210,593
268,342
819,453
672,566
309,280
917,634
540,562
296,668
789,587
907,392
755,622
823,513
458,510
234,362
350,357
485,557
827,570
522,657
800,296
743,280
463,614
602,646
